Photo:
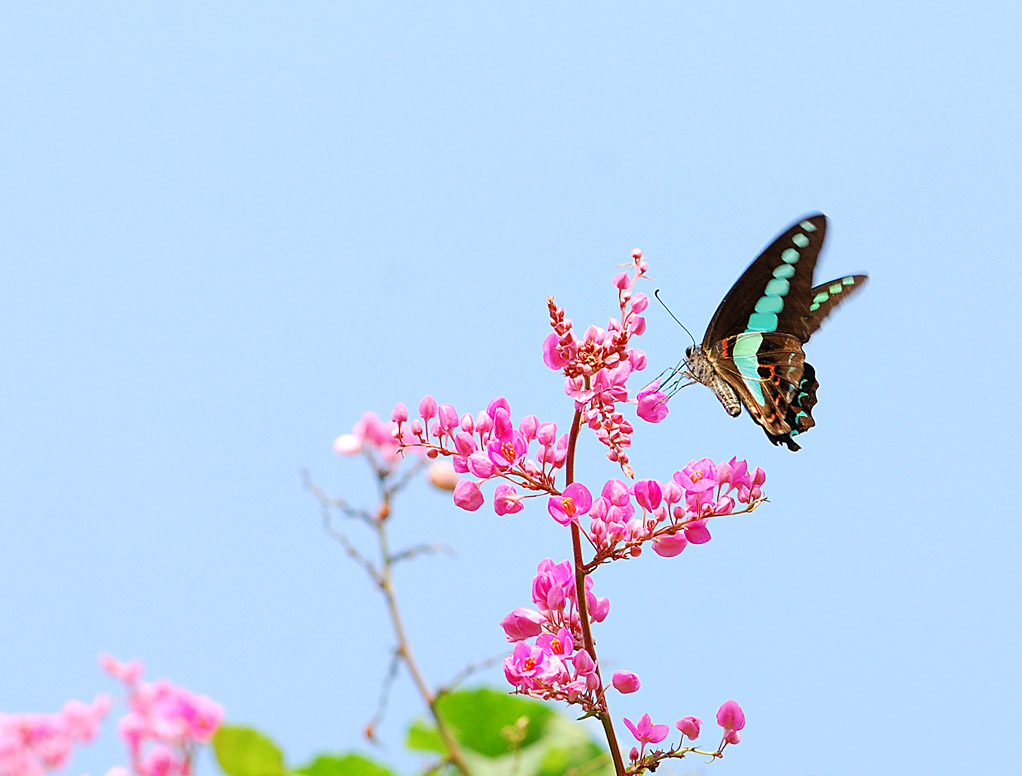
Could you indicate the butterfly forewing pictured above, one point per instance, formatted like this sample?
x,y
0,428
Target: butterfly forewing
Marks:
x,y
773,294
825,298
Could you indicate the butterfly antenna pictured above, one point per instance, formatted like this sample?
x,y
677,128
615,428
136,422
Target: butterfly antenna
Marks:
x,y
675,317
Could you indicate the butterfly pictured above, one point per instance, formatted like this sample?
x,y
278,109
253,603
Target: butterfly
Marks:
x,y
752,350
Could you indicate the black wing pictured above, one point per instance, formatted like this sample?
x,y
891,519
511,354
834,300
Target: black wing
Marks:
x,y
775,293
826,297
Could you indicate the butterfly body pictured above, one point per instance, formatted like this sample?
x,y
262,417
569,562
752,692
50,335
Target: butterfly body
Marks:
x,y
752,353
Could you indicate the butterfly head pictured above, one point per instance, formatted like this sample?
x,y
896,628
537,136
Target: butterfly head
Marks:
x,y
697,365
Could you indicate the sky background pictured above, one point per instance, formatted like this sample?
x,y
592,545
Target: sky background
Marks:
x,y
230,229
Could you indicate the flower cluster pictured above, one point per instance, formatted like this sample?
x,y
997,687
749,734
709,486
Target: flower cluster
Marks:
x,y
554,655
729,716
165,721
598,365
375,438
32,744
673,514
487,446
552,668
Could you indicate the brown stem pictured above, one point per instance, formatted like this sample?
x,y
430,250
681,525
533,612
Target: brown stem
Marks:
x,y
583,608
386,583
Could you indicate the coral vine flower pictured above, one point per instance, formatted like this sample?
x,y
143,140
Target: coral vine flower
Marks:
x,y
648,493
506,500
731,717
646,732
529,667
571,504
468,496
670,545
506,450
625,682
689,726
652,405
522,623
562,644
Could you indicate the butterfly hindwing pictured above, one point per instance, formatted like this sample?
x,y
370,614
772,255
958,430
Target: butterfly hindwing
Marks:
x,y
773,380
774,294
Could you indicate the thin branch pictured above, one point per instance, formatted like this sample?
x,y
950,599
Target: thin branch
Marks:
x,y
423,549
384,699
467,671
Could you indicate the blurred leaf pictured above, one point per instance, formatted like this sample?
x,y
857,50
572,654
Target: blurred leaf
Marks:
x,y
494,723
423,737
568,747
245,751
343,765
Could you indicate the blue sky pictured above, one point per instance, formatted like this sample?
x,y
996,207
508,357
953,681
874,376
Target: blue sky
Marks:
x,y
229,229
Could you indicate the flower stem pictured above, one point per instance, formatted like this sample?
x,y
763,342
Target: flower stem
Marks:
x,y
583,608
386,584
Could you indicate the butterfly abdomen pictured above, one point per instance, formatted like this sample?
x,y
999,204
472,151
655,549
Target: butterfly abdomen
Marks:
x,y
699,367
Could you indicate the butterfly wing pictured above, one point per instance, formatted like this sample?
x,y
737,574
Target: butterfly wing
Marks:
x,y
773,380
825,298
775,293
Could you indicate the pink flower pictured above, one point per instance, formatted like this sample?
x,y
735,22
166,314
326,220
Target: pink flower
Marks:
x,y
427,407
546,434
697,477
522,624
507,449
468,496
571,504
160,760
584,663
731,717
561,644
127,672
697,532
751,491
506,500
652,405
529,667
646,732
529,426
625,682
670,545
465,443
689,726
400,413
616,492
553,584
480,465
599,608
499,403
648,493
203,716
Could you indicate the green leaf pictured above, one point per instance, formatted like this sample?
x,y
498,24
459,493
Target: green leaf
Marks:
x,y
568,747
243,751
424,738
485,721
343,765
